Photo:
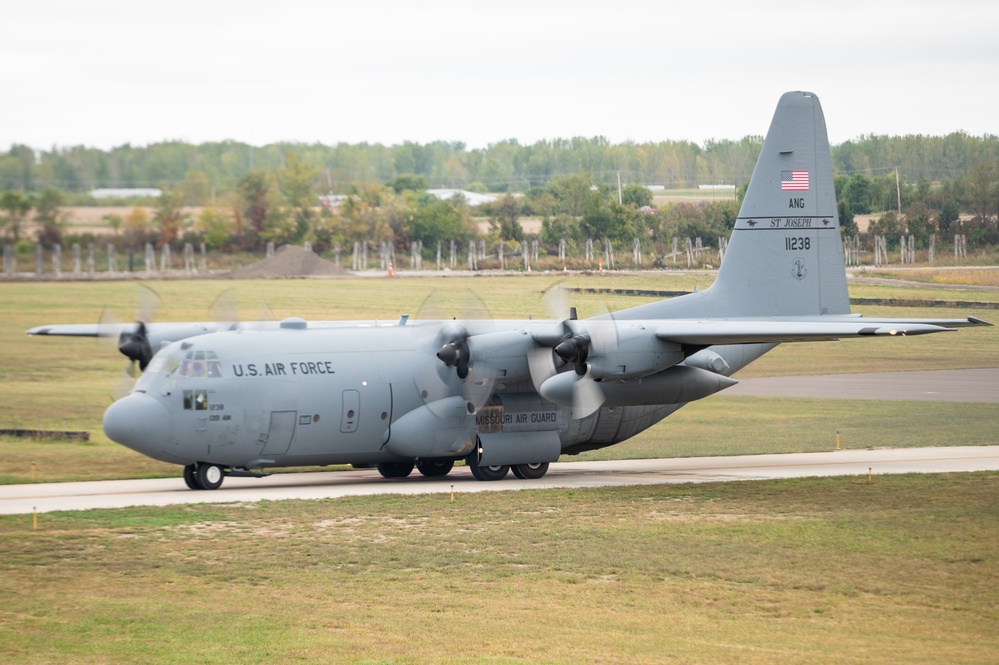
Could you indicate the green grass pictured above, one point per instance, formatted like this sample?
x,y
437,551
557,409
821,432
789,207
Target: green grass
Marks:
x,y
829,570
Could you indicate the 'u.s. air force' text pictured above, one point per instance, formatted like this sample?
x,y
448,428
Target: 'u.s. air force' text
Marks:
x,y
304,368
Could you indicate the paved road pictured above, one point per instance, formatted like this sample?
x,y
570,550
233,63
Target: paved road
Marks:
x,y
22,499
958,385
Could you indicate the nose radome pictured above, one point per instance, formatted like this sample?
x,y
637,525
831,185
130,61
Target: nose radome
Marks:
x,y
139,422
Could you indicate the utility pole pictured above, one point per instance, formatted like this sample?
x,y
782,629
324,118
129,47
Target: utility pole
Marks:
x,y
898,192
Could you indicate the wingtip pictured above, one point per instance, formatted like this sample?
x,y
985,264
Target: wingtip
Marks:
x,y
975,321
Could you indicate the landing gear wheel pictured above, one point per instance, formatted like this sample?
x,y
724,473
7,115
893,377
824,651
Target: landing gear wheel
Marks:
x,y
209,476
530,471
191,478
490,472
436,467
395,469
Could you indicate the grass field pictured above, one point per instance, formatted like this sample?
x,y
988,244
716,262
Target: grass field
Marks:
x,y
833,570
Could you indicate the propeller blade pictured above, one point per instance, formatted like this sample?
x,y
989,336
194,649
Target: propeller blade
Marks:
x,y
587,397
541,361
479,384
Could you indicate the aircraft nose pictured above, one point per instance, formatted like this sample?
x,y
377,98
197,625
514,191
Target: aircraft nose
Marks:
x,y
139,422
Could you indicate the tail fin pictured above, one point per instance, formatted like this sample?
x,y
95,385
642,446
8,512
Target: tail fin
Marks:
x,y
785,255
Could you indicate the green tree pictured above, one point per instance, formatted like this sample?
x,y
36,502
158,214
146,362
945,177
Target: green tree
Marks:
x,y
572,194
197,189
920,223
858,194
948,213
259,206
891,226
114,221
506,218
216,226
983,189
408,182
557,228
15,207
168,215
441,221
636,196
297,181
846,221
49,217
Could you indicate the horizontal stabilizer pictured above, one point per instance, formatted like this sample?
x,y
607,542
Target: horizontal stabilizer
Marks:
x,y
707,333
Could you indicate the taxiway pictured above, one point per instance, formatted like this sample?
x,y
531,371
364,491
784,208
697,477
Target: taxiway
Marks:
x,y
23,499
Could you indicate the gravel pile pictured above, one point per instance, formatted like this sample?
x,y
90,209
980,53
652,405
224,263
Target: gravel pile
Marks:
x,y
289,261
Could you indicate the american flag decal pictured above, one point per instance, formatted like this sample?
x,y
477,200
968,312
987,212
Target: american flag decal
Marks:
x,y
794,181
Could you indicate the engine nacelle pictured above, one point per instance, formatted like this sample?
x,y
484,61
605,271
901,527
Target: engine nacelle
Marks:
x,y
503,353
444,428
629,351
677,385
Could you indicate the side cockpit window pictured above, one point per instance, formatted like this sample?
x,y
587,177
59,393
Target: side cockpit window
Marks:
x,y
195,400
161,364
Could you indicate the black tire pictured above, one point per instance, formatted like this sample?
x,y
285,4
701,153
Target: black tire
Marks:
x,y
191,477
490,472
395,469
530,471
436,467
209,476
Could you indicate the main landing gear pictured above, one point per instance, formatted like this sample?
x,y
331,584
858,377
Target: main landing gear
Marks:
x,y
433,467
203,476
522,471
439,467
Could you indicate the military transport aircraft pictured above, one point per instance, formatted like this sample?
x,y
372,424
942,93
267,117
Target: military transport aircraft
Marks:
x,y
238,400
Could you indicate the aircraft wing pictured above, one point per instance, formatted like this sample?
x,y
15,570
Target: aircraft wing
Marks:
x,y
817,329
81,330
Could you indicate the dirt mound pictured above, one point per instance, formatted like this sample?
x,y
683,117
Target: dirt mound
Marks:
x,y
289,261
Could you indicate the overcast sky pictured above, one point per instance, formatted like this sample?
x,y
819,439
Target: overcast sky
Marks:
x,y
103,73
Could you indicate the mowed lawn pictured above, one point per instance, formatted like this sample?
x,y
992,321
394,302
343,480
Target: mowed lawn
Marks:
x,y
833,570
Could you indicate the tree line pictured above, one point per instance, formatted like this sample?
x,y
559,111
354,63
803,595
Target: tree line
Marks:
x,y
280,205
207,170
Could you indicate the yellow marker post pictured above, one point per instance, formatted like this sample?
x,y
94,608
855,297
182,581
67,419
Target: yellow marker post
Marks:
x,y
34,518
870,476
837,439
452,493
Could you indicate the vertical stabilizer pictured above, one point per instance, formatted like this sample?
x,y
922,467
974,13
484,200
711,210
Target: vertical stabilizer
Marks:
x,y
785,256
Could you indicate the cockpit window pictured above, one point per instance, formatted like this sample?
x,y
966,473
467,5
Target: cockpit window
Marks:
x,y
201,364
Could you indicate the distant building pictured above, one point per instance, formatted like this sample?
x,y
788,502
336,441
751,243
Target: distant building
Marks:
x,y
126,193
332,200
471,198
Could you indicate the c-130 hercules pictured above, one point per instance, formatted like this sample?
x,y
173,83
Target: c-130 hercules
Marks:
x,y
501,395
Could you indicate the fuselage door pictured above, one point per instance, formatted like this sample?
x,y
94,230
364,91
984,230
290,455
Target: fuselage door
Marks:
x,y
280,433
351,411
